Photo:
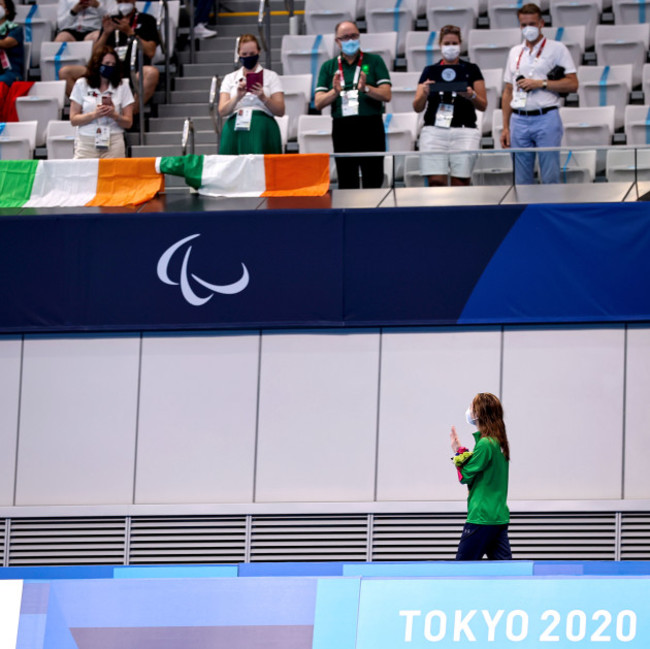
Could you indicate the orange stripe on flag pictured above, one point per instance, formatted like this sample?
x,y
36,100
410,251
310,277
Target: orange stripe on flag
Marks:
x,y
126,181
305,174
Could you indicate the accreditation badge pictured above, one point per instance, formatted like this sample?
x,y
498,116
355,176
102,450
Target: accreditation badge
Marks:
x,y
102,137
444,115
519,98
244,119
350,103
121,52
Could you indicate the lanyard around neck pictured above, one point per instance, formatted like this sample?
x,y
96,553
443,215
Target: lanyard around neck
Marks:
x,y
539,53
357,72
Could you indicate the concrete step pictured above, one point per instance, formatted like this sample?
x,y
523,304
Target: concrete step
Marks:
x,y
175,124
188,84
190,96
226,58
154,151
184,110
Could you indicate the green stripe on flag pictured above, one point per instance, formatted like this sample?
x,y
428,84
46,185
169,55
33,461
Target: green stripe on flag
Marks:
x,y
16,181
188,166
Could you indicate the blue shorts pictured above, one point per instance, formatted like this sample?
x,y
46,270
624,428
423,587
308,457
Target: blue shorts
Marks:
x,y
477,541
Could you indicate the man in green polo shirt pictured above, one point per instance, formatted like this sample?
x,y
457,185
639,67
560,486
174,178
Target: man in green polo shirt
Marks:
x,y
356,84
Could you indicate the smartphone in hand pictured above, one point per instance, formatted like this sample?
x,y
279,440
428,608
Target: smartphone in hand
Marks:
x,y
253,78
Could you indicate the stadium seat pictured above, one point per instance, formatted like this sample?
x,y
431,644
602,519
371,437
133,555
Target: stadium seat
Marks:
x,y
321,16
59,139
645,81
39,26
631,12
637,125
412,175
462,13
387,15
489,48
574,39
592,127
403,90
605,86
497,127
306,54
494,88
55,55
627,165
283,125
422,49
18,140
401,131
503,14
297,95
43,103
569,13
616,46
493,169
578,166
382,43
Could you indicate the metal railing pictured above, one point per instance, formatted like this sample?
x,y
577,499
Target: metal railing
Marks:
x,y
135,66
188,136
264,28
163,18
213,105
190,9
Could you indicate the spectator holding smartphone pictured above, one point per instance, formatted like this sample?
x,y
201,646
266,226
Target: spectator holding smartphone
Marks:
x,y
79,20
250,98
101,107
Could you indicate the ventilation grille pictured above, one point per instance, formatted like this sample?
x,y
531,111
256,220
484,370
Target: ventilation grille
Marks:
x,y
66,541
415,537
3,540
563,536
309,538
635,536
195,539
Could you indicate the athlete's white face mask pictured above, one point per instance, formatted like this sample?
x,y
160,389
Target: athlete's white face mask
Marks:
x,y
530,33
2,12
125,8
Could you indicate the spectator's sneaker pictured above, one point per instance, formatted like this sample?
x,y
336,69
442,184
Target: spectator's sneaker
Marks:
x,y
201,31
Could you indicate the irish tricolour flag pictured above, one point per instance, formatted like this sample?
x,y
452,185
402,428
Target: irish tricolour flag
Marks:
x,y
252,175
73,183
131,181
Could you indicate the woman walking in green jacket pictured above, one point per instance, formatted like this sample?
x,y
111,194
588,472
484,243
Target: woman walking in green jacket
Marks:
x,y
485,472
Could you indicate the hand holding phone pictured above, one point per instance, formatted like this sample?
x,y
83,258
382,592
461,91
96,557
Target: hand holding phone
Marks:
x,y
253,79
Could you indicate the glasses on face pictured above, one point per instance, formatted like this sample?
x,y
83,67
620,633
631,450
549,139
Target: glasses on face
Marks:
x,y
348,37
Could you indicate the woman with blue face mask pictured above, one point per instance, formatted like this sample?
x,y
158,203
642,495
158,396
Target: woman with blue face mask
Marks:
x,y
485,471
12,56
250,98
449,114
356,84
101,108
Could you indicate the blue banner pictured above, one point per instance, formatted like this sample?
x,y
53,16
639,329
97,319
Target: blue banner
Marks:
x,y
317,268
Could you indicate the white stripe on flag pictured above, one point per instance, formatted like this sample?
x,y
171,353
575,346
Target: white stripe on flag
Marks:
x,y
233,175
64,183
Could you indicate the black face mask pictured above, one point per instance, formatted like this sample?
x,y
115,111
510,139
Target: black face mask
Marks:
x,y
107,71
249,62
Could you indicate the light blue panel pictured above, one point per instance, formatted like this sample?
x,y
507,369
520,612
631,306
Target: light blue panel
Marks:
x,y
524,612
174,572
441,569
185,602
291,569
337,605
31,631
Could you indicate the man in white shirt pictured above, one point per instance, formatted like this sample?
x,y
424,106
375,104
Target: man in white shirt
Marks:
x,y
537,71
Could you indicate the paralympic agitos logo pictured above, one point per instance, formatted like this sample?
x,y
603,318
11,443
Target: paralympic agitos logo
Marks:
x,y
184,280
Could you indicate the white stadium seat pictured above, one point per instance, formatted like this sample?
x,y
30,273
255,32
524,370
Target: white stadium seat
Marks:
x,y
631,12
321,16
503,14
601,85
404,85
382,43
494,88
39,26
297,95
587,126
568,13
489,48
461,13
637,125
422,49
59,139
572,37
55,55
43,103
619,45
627,165
386,15
578,166
18,140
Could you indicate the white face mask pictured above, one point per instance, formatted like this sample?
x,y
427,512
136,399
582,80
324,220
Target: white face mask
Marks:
x,y
469,416
125,8
450,52
530,33
2,12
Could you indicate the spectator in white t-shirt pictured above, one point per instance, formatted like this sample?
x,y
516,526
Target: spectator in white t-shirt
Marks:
x,y
79,20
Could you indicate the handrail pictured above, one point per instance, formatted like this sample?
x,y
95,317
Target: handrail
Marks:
x,y
213,104
164,44
188,134
135,65
190,9
264,28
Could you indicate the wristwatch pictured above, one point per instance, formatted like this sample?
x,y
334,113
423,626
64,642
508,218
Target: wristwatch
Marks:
x,y
544,84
